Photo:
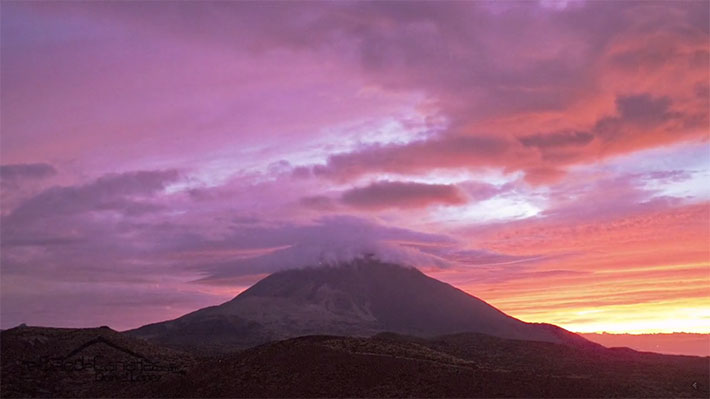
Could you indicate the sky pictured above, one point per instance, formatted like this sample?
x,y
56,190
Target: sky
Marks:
x,y
550,158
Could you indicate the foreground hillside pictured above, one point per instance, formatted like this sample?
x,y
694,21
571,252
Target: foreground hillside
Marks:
x,y
82,362
386,365
464,365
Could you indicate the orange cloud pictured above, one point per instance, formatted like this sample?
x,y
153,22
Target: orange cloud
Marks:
x,y
645,272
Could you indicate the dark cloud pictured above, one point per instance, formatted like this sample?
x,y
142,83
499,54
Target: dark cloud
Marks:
x,y
13,174
702,90
475,62
27,171
394,194
643,108
418,156
116,192
319,202
640,120
644,118
557,139
543,175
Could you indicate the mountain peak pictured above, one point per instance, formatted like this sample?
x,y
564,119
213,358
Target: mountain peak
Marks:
x,y
362,297
345,275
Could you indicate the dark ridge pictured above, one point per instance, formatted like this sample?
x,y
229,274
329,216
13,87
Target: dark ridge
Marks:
x,y
102,340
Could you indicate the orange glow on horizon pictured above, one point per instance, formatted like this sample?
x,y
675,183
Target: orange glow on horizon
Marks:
x,y
648,273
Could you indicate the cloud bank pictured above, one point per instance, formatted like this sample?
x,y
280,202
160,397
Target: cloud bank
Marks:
x,y
503,147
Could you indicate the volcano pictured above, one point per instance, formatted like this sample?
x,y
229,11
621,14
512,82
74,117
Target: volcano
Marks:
x,y
361,298
362,329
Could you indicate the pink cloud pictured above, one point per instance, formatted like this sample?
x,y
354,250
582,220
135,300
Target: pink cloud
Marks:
x,y
261,127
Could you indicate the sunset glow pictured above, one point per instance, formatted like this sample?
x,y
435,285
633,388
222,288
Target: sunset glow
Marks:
x,y
550,158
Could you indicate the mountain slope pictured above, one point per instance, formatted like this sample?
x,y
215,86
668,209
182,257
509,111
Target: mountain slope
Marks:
x,y
361,298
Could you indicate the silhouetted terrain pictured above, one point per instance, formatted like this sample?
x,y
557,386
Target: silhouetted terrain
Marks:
x,y
74,362
362,298
366,329
386,365
463,365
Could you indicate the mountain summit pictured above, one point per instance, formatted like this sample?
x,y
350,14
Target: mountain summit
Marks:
x,y
360,298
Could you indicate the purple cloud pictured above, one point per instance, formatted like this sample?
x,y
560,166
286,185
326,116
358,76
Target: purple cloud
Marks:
x,y
279,115
111,192
26,171
13,175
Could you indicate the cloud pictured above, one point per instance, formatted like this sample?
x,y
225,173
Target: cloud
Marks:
x,y
26,171
639,115
14,174
665,176
394,194
620,260
282,113
557,139
481,191
474,257
640,120
79,217
518,69
115,192
221,247
328,241
488,84
643,108
418,156
318,202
